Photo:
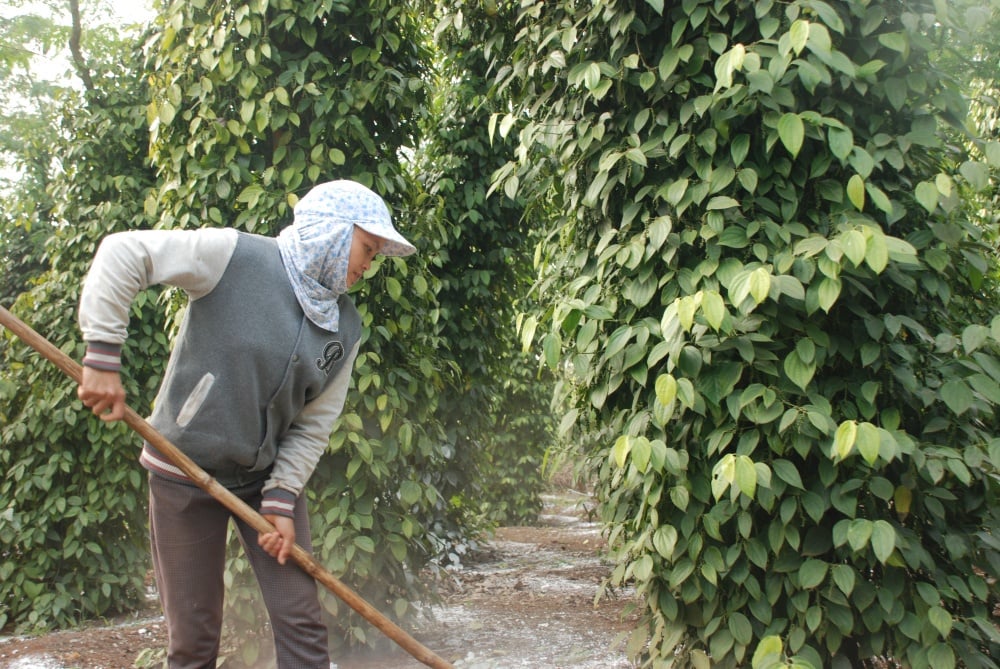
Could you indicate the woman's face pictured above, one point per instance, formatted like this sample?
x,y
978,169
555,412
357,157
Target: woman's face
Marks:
x,y
364,247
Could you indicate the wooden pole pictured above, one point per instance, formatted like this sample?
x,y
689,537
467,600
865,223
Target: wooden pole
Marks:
x,y
201,478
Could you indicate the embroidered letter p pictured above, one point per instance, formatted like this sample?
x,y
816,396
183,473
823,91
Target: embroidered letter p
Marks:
x,y
332,354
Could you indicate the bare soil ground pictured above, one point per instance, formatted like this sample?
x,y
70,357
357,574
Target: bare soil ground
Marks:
x,y
527,601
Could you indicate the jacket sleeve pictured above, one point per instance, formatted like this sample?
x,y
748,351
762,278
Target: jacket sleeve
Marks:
x,y
129,262
306,440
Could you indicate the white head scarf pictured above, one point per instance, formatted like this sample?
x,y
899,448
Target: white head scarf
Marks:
x,y
316,248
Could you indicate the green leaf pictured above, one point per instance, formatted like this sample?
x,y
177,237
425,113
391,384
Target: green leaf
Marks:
x,y
941,620
992,151
722,202
792,132
166,112
799,372
734,237
687,393
700,659
740,628
814,505
675,193
941,656
760,284
811,245
723,475
790,286
714,308
748,179
868,441
896,41
365,544
657,5
666,389
877,252
642,568
787,472
687,307
739,149
854,245
879,198
806,349
827,293
812,573
641,451
620,451
668,63
636,156
844,577
986,387
814,618
739,288
844,439
410,492
859,533
727,64
862,162
841,142
618,340
927,195
665,540
746,475
250,195
974,337
591,76
976,173
552,347
856,192
798,35
528,332
768,653
394,288
883,540
957,395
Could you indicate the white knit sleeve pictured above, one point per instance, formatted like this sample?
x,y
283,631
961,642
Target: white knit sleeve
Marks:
x,y
129,262
307,438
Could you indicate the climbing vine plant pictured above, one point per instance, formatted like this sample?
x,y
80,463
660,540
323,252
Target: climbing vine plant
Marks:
x,y
769,296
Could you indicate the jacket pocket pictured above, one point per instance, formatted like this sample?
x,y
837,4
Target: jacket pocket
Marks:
x,y
195,400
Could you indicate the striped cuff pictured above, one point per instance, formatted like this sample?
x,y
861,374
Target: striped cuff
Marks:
x,y
105,357
156,463
278,502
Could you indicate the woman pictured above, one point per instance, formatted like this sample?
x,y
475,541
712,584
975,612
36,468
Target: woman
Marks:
x,y
257,377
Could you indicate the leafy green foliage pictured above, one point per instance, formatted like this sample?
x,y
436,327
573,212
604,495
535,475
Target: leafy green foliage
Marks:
x,y
481,267
766,288
72,517
30,109
770,299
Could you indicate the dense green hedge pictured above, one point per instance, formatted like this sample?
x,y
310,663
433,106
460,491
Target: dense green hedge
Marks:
x,y
771,294
72,495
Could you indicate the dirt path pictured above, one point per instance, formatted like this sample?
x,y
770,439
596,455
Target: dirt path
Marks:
x,y
527,603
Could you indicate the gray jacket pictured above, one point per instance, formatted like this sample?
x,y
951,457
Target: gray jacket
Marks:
x,y
253,387
245,363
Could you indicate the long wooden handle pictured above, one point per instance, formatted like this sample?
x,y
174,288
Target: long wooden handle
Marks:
x,y
229,500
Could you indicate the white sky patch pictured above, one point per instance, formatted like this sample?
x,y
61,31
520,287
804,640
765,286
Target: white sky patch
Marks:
x,y
132,11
